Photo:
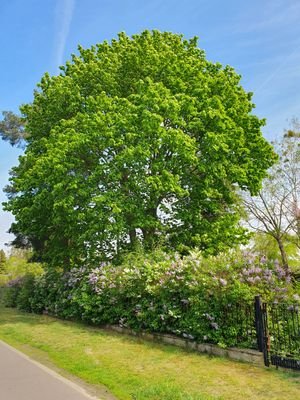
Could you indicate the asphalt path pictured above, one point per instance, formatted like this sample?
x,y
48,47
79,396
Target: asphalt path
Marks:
x,y
22,378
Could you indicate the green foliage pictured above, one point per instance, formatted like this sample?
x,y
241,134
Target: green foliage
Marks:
x,y
2,261
10,297
264,244
207,299
23,301
17,265
137,141
12,128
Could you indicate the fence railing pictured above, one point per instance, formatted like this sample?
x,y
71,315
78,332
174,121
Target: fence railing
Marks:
x,y
273,329
284,334
238,320
284,329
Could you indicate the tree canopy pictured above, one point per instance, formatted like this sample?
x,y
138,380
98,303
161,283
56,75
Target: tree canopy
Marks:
x,y
137,141
12,129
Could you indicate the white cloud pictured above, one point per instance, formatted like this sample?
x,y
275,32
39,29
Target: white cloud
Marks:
x,y
5,221
64,14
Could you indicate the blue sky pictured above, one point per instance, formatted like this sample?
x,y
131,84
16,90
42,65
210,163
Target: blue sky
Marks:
x,y
259,38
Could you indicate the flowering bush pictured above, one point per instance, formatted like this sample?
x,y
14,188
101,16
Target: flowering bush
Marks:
x,y
12,294
208,299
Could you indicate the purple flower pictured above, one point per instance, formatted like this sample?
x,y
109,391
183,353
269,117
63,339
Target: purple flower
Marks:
x,y
263,260
296,297
223,282
214,325
280,272
93,278
209,317
185,301
15,282
293,308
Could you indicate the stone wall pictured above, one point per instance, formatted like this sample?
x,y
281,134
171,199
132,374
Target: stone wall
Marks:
x,y
246,355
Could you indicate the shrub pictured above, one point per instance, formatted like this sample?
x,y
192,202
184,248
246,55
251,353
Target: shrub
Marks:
x,y
24,296
208,299
11,295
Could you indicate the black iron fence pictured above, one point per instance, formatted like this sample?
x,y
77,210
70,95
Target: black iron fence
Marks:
x,y
278,333
273,329
237,324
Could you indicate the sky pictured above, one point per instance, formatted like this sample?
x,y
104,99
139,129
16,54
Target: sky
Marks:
x,y
259,38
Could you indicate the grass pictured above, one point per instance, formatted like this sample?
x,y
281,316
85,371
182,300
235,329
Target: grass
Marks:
x,y
133,369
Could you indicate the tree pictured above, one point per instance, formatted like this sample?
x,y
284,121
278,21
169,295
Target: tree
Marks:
x,y
2,261
276,209
12,129
18,263
137,141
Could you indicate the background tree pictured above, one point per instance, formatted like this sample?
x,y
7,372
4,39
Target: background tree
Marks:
x,y
137,141
18,264
276,209
2,261
12,129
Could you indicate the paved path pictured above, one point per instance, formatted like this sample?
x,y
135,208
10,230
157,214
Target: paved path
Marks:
x,y
24,379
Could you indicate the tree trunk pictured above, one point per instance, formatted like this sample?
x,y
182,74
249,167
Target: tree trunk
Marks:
x,y
132,236
283,254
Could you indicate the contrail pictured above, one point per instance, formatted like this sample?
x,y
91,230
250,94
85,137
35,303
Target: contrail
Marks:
x,y
64,14
276,71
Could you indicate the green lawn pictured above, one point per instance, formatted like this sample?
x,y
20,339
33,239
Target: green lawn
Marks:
x,y
138,370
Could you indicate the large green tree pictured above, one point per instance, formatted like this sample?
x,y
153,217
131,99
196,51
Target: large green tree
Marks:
x,y
141,140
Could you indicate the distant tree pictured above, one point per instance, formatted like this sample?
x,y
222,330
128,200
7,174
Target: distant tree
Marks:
x,y
138,142
265,245
291,171
18,263
2,261
275,211
12,129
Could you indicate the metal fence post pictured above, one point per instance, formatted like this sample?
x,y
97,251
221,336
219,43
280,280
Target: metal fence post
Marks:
x,y
261,328
258,324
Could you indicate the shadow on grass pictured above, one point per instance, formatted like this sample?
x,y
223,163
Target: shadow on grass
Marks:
x,y
136,369
15,316
10,316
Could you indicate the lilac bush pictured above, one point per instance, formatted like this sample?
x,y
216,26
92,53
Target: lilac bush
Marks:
x,y
191,296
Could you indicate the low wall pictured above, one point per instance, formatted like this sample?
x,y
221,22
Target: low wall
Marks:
x,y
246,355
